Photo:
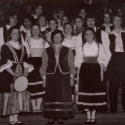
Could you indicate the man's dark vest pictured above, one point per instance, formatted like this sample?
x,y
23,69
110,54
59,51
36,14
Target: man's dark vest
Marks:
x,y
118,58
112,38
6,34
63,60
98,34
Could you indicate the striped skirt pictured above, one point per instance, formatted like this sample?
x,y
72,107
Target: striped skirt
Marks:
x,y
92,95
15,102
35,81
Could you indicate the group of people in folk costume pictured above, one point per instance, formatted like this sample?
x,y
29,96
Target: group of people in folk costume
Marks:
x,y
64,62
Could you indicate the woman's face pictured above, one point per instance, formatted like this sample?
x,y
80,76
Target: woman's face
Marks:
x,y
15,35
82,13
55,16
35,30
52,25
107,18
38,10
78,23
61,13
119,12
68,29
13,21
42,21
110,10
57,38
117,21
89,36
64,20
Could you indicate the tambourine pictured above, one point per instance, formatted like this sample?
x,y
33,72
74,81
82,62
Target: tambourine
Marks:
x,y
21,84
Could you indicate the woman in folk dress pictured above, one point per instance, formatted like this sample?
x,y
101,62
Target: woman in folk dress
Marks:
x,y
14,63
36,46
90,61
57,70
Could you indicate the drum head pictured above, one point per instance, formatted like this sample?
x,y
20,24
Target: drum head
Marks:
x,y
21,83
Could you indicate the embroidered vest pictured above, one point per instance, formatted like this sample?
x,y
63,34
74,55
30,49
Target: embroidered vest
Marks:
x,y
63,60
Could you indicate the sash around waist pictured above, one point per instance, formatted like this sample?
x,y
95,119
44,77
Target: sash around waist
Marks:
x,y
90,59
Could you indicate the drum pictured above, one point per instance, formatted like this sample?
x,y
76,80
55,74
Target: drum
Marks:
x,y
21,83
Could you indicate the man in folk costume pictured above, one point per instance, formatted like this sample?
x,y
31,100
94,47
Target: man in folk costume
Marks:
x,y
4,31
25,30
103,32
117,63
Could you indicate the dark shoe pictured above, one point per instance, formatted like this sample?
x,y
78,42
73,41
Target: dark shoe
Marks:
x,y
93,121
39,112
111,111
12,123
35,111
51,122
88,121
60,122
19,123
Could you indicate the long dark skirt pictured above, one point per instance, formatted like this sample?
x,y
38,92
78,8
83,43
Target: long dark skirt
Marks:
x,y
92,95
58,99
35,81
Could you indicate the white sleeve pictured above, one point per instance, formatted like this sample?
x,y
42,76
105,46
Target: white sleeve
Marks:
x,y
102,59
106,44
78,51
79,57
46,45
78,42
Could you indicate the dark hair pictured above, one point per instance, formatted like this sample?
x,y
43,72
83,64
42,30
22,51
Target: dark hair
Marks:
x,y
89,29
53,19
35,24
41,15
107,13
37,5
60,9
27,16
57,32
68,23
90,15
12,28
65,16
117,15
79,17
82,9
11,14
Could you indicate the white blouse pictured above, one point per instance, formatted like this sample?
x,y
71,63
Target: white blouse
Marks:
x,y
70,43
92,50
36,43
36,47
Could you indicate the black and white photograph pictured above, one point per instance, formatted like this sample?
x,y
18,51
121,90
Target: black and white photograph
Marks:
x,y
62,62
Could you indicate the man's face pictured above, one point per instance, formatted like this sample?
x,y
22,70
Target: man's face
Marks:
x,y
27,23
91,22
